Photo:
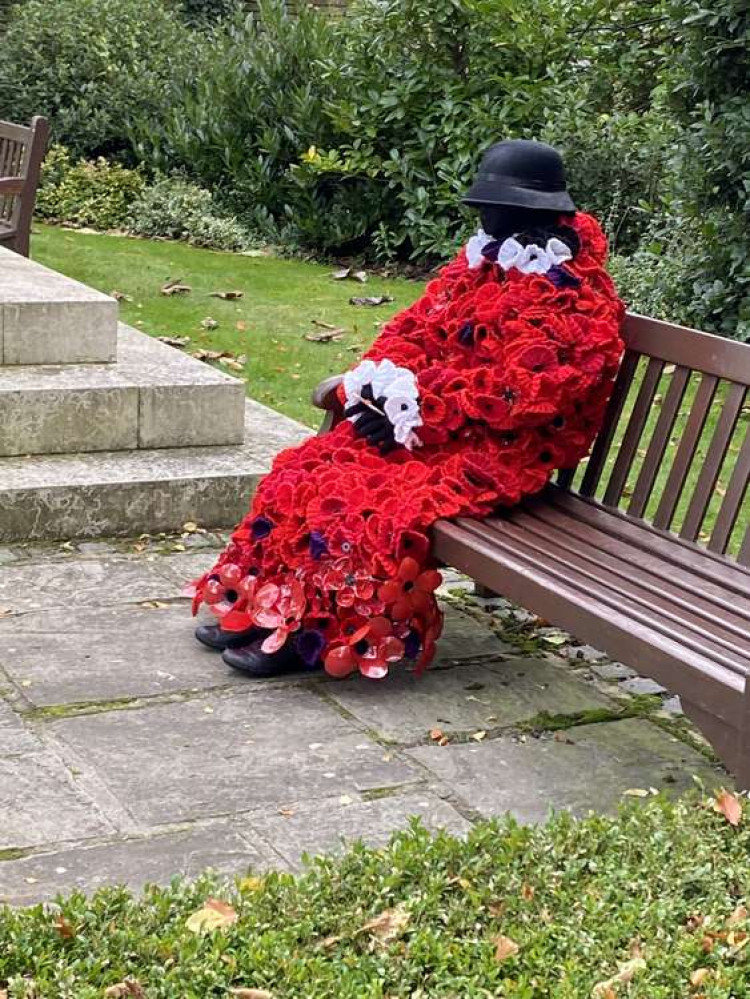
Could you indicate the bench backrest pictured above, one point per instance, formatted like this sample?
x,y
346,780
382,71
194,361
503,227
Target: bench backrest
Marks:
x,y
675,444
22,150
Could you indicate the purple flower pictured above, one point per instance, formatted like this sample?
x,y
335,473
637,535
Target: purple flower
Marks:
x,y
466,335
309,646
261,527
490,250
412,645
318,546
561,278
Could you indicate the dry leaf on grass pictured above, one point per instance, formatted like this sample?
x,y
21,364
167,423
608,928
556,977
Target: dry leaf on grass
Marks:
x,y
175,288
119,296
636,792
738,916
130,987
325,336
479,736
228,296
65,928
505,948
240,326
626,974
209,324
214,915
371,300
699,976
250,994
728,805
388,925
174,341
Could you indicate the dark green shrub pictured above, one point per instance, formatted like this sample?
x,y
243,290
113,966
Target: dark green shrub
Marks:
x,y
86,193
175,208
97,68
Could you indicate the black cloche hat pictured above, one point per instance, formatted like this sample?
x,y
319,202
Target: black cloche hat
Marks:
x,y
521,173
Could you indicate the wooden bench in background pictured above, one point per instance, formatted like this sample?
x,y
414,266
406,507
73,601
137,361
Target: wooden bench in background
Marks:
x,y
21,153
616,552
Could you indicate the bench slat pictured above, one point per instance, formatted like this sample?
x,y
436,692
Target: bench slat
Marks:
x,y
654,610
628,565
717,450
712,688
744,556
732,502
633,432
715,569
683,459
598,458
658,444
704,352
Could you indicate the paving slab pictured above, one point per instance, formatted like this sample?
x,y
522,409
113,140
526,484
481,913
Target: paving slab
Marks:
x,y
464,698
15,737
214,755
47,318
133,862
107,493
71,656
79,583
40,803
529,778
328,826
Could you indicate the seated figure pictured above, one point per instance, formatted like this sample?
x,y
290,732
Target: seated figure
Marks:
x,y
468,400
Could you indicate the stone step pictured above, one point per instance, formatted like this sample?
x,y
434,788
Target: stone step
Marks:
x,y
153,397
54,497
47,318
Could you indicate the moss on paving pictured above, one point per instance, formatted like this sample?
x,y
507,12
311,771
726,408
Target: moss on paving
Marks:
x,y
281,298
662,883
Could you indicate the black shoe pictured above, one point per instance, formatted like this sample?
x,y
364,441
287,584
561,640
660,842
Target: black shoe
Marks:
x,y
253,661
212,636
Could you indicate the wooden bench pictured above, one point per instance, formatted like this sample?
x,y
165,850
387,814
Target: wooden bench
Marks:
x,y
616,553
21,153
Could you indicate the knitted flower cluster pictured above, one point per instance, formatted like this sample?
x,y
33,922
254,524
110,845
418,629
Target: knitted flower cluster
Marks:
x,y
510,375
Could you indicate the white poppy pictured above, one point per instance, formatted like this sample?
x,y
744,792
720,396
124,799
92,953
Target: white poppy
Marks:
x,y
475,246
532,259
398,386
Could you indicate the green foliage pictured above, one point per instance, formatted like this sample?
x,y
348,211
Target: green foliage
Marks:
x,y
86,193
579,898
97,68
206,12
175,208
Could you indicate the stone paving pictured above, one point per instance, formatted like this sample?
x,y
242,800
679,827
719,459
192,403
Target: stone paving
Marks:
x,y
128,753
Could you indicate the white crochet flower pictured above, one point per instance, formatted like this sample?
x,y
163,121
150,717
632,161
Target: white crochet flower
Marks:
x,y
475,246
399,387
532,259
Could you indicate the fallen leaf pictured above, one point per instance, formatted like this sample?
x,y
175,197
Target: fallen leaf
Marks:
x,y
325,336
214,915
699,976
479,736
388,925
527,892
636,792
235,363
154,604
738,916
250,994
505,948
175,288
130,987
556,638
436,734
120,296
228,296
174,341
65,928
208,323
190,526
341,275
626,974
207,355
694,922
561,736
286,812
5,612
360,276
371,300
240,326
729,806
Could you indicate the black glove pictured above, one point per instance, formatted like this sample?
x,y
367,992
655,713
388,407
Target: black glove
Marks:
x,y
372,424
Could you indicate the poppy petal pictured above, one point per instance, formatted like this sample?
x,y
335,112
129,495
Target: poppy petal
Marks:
x,y
275,641
429,580
340,662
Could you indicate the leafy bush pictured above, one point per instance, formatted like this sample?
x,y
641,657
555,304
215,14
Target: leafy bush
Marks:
x,y
175,208
86,193
99,69
565,910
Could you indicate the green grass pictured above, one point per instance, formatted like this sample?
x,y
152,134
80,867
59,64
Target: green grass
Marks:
x,y
281,299
659,883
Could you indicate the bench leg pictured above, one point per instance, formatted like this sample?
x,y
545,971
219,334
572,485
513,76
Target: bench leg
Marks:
x,y
743,754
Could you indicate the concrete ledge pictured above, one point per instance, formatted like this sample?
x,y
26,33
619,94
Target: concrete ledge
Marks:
x,y
130,492
153,397
47,318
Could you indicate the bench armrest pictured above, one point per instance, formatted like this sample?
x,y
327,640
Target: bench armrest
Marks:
x,y
325,396
11,185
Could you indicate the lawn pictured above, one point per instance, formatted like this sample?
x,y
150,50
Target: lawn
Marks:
x,y
650,904
280,301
